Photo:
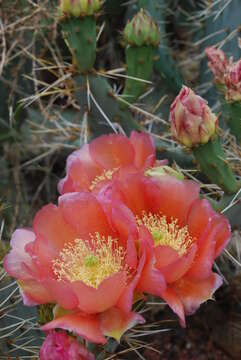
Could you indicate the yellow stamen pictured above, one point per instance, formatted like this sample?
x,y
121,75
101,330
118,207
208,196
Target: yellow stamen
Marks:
x,y
167,234
90,261
106,175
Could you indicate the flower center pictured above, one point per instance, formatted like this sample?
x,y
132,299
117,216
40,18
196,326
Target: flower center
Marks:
x,y
90,261
166,233
106,175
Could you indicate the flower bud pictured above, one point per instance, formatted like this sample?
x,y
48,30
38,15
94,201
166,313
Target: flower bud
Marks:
x,y
142,30
60,346
192,121
80,7
233,82
217,63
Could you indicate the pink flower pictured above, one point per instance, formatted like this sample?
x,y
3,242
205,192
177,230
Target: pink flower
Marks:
x,y
82,255
217,63
184,233
60,346
233,82
95,163
192,122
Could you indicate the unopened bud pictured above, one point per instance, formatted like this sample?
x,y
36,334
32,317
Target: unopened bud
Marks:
x,y
233,82
217,63
142,30
192,121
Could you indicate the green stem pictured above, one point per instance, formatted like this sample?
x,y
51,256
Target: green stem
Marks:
x,y
139,66
80,35
213,163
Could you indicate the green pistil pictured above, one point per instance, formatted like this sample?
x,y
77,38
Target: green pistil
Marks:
x,y
91,261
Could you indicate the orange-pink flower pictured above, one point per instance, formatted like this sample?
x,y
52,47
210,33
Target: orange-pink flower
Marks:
x,y
184,232
95,163
82,255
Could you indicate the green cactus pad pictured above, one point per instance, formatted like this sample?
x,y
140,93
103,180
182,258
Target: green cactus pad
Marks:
x,y
80,36
213,163
139,67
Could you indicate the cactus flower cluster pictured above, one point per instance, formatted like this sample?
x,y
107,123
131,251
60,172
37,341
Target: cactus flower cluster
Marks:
x,y
79,8
122,228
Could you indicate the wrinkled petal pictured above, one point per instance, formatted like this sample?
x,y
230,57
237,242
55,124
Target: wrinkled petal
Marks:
x,y
145,152
112,151
91,300
13,262
193,293
87,326
115,323
84,213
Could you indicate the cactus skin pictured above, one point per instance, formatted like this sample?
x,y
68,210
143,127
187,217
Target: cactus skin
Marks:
x,y
212,160
80,35
111,107
233,118
139,65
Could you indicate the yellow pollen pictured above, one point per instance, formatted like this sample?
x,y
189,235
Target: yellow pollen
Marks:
x,y
90,261
166,234
106,175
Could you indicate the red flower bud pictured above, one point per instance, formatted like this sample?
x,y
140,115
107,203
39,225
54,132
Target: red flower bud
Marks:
x,y
233,82
217,63
192,121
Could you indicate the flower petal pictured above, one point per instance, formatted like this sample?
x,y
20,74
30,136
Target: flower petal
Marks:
x,y
83,212
152,280
171,197
175,304
34,292
13,262
178,268
91,300
115,322
81,171
112,151
87,326
145,152
193,293
52,233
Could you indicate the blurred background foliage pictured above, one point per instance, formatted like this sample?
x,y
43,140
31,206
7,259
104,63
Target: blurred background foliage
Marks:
x,y
43,104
